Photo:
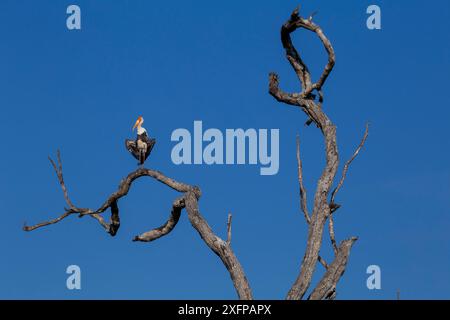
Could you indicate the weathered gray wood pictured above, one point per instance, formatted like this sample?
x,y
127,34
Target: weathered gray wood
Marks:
x,y
326,288
322,209
161,231
188,200
219,247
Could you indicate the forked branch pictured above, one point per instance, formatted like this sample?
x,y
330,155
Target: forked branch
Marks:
x,y
188,200
349,161
309,99
322,209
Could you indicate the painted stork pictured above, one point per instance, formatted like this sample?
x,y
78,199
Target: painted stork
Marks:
x,y
141,147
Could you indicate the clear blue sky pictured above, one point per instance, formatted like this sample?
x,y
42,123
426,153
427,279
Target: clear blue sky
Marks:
x,y
179,61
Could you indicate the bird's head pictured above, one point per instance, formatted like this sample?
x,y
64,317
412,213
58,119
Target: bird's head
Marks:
x,y
139,122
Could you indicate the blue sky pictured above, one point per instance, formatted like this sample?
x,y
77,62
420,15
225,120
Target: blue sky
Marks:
x,y
179,61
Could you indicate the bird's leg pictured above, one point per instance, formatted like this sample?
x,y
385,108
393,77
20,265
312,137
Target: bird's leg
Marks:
x,y
141,157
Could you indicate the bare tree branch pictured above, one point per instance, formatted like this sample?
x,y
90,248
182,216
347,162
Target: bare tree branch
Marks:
x,y
111,227
229,229
279,94
332,236
303,202
293,99
46,223
323,262
115,219
291,53
322,210
166,228
349,161
220,247
59,174
294,58
334,206
326,288
189,200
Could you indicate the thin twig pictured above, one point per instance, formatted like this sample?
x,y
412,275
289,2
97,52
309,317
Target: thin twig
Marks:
x,y
46,223
303,202
229,229
323,262
347,164
59,174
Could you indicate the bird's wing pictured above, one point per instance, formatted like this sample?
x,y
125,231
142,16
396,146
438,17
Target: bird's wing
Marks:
x,y
131,147
150,143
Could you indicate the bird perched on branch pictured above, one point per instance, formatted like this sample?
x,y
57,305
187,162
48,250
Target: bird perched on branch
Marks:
x,y
143,145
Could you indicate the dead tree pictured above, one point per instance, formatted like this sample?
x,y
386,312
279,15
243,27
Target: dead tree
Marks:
x,y
188,200
310,100
323,208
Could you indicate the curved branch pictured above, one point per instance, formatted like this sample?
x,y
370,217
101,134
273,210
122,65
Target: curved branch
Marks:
x,y
219,246
126,183
295,22
46,223
292,55
294,99
115,219
279,94
166,228
326,288
189,200
306,100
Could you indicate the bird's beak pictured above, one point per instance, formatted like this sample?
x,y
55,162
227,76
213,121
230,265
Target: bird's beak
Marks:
x,y
136,124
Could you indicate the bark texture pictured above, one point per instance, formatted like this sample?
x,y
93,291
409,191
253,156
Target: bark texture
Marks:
x,y
189,201
310,100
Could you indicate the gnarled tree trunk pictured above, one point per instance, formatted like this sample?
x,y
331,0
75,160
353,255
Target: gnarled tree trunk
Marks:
x,y
310,100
